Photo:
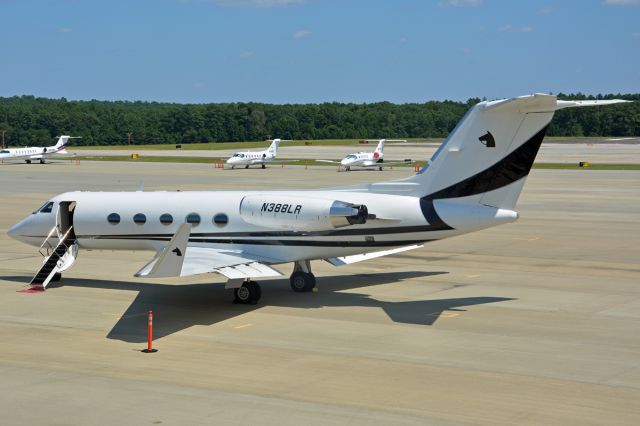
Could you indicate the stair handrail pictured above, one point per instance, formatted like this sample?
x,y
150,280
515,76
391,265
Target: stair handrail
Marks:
x,y
46,241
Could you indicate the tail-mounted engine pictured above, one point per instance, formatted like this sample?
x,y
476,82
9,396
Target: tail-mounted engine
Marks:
x,y
301,213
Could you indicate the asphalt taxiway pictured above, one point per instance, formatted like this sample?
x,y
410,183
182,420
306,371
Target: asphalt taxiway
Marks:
x,y
534,322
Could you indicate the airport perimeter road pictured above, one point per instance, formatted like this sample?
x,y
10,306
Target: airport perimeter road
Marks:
x,y
624,152
534,322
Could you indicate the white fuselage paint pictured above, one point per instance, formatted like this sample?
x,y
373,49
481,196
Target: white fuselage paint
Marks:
x,y
94,232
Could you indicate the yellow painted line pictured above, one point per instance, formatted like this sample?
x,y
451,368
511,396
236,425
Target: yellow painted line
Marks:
x,y
444,314
527,239
238,327
472,276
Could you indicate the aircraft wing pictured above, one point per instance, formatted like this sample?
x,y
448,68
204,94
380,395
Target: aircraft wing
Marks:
x,y
204,260
387,163
178,259
35,156
328,161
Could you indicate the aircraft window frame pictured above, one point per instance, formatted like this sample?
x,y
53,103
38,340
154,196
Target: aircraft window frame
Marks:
x,y
166,219
139,218
191,218
45,208
113,218
220,219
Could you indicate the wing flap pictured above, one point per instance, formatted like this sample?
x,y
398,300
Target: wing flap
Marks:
x,y
347,260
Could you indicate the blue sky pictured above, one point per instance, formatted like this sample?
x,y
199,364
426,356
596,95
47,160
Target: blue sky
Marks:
x,y
299,51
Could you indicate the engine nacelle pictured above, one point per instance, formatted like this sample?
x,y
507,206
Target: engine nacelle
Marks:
x,y
300,213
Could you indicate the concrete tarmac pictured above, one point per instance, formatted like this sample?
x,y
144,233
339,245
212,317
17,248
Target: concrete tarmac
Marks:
x,y
598,151
534,322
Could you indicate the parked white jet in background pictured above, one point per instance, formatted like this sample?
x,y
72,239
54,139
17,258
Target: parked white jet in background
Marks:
x,y
249,158
366,159
472,182
36,152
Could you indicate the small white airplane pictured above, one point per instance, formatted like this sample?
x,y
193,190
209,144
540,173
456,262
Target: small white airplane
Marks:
x,y
366,159
249,158
36,152
472,182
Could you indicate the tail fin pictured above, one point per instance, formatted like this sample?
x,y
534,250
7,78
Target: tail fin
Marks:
x,y
487,157
380,147
273,148
62,142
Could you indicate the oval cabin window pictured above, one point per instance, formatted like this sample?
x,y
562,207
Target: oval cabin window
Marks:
x,y
166,219
139,218
113,218
193,218
221,219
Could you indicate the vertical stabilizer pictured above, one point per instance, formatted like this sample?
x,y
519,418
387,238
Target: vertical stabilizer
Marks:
x,y
487,157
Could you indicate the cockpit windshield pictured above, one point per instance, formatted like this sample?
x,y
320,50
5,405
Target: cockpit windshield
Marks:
x,y
45,208
5,151
352,157
239,155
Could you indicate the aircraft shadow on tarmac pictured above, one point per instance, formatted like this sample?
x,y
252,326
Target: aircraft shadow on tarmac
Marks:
x,y
178,307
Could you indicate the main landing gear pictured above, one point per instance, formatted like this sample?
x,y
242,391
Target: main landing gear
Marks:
x,y
248,293
301,280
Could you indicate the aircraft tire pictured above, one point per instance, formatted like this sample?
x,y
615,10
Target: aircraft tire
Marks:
x,y
302,281
233,167
263,166
41,161
246,167
380,168
248,294
56,277
346,169
28,161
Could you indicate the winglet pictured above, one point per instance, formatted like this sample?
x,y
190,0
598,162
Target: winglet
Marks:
x,y
169,262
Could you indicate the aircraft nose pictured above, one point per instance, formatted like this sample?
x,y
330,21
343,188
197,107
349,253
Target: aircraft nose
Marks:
x,y
15,231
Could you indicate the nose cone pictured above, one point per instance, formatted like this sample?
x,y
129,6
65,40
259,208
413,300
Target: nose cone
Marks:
x,y
345,162
16,230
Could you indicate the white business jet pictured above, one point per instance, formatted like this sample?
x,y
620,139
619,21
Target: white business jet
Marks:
x,y
366,159
472,182
249,158
36,152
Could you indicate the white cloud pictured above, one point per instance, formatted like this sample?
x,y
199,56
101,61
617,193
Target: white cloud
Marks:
x,y
457,3
64,30
302,34
622,2
635,35
511,29
247,54
257,3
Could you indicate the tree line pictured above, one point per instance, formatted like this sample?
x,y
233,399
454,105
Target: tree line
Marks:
x,y
28,120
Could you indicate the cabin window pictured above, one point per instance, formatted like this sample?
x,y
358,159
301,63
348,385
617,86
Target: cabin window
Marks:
x,y
166,219
193,218
221,219
113,218
139,218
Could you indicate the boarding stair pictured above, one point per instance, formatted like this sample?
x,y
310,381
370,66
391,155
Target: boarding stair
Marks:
x,y
56,258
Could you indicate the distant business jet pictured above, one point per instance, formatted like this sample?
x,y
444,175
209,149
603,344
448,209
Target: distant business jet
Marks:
x,y
36,152
472,182
366,159
250,158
